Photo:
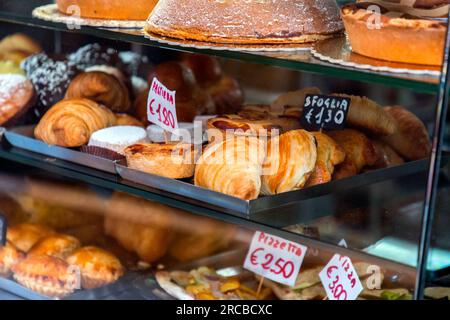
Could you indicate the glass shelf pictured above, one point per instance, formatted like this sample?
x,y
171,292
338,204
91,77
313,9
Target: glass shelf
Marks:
x,y
20,12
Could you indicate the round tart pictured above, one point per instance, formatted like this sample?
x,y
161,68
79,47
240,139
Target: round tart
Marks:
x,y
9,257
46,275
118,138
246,22
26,235
171,160
58,245
399,38
105,9
16,97
98,267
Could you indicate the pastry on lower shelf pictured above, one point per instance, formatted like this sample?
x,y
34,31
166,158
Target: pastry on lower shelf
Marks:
x,y
102,88
123,119
291,159
411,139
58,245
117,138
359,152
116,10
94,54
9,257
291,103
17,96
206,284
405,33
71,122
227,95
46,275
171,160
260,22
329,155
232,166
26,235
264,112
98,267
386,156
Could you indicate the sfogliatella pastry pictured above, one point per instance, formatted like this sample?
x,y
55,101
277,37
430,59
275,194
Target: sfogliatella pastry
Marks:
x,y
359,152
232,166
329,155
118,138
110,10
411,138
102,88
98,267
71,122
26,235
404,33
171,160
291,158
245,22
58,245
9,257
46,275
123,119
16,98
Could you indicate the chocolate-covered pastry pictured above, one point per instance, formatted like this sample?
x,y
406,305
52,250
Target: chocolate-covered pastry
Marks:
x,y
94,54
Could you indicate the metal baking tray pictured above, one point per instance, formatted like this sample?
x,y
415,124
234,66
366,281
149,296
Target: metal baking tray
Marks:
x,y
188,192
23,137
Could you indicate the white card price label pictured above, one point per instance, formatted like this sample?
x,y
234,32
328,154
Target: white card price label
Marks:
x,y
275,258
161,106
340,280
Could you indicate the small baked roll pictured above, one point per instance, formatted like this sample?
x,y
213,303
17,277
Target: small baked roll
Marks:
x,y
329,154
171,160
58,245
291,159
98,267
410,138
46,275
102,88
291,103
9,257
221,128
369,116
123,119
24,236
232,166
16,97
386,156
359,152
70,123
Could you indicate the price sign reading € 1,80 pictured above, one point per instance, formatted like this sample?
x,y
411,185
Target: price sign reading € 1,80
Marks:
x,y
340,280
161,107
324,112
275,258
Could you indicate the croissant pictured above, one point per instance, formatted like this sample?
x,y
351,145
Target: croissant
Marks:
x,y
291,159
359,150
233,167
329,154
70,123
100,87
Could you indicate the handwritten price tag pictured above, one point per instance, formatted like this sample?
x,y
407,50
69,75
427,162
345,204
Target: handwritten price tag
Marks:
x,y
161,107
324,112
340,280
275,258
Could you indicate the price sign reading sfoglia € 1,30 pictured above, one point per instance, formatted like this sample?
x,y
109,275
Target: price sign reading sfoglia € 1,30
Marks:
x,y
324,112
275,258
161,107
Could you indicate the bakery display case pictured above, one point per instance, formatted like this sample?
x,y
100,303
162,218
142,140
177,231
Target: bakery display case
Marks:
x,y
287,122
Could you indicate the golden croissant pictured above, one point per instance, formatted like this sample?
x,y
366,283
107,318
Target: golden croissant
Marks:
x,y
100,87
70,123
233,167
291,159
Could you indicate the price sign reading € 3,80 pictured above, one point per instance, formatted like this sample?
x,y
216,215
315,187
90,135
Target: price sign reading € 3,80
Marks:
x,y
275,258
340,280
324,112
161,107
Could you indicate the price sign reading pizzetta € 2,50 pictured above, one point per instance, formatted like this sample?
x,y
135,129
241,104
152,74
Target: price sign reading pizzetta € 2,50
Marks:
x,y
275,258
161,107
